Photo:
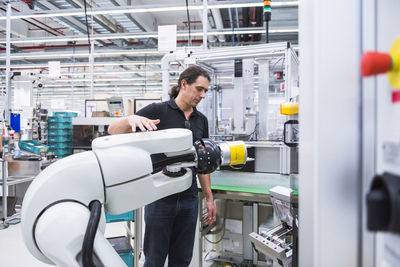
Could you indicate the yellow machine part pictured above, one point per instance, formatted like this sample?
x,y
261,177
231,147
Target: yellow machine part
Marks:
x,y
394,73
289,108
238,154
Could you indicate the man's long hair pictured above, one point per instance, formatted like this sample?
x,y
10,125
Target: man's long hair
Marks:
x,y
190,75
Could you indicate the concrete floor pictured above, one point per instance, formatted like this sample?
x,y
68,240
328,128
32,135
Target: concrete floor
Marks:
x,y
13,251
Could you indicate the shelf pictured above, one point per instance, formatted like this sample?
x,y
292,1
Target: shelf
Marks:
x,y
13,180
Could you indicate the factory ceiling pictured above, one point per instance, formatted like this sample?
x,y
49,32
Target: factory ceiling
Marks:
x,y
124,32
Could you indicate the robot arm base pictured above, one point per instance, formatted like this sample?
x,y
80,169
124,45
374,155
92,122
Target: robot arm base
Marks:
x,y
60,231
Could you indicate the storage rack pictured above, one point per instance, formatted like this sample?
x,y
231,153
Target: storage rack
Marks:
x,y
60,133
121,245
5,182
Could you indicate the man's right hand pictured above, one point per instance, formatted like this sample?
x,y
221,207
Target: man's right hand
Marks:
x,y
142,123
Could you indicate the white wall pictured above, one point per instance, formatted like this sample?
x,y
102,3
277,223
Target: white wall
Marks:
x,y
330,118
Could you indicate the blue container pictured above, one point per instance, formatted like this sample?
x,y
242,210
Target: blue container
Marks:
x,y
53,119
128,216
123,248
62,151
15,122
60,126
59,138
55,132
65,114
127,257
60,145
33,146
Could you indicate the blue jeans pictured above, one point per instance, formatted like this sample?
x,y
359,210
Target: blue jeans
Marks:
x,y
170,230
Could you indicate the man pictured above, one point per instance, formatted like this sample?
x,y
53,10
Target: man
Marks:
x,y
171,221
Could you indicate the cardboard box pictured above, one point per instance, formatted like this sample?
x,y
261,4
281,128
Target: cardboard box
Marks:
x,y
100,114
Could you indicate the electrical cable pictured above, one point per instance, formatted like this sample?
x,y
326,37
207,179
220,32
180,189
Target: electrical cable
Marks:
x,y
205,256
254,132
87,25
188,17
237,168
37,96
230,260
277,61
145,73
223,226
233,27
90,234
253,23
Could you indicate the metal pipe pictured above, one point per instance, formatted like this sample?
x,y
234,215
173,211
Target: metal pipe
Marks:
x,y
91,59
4,180
138,235
165,74
237,18
232,23
44,24
47,46
205,24
8,66
218,23
71,22
211,38
246,22
263,95
146,35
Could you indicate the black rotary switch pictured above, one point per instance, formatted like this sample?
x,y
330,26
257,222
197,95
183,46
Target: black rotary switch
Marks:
x,y
383,203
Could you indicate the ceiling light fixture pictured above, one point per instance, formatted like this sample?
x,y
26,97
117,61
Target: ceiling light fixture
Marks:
x,y
139,36
77,65
145,9
84,54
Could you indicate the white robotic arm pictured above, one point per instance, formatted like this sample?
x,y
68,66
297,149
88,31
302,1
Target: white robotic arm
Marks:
x,y
118,175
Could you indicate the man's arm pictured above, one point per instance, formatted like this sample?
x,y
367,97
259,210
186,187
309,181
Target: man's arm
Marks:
x,y
128,124
205,183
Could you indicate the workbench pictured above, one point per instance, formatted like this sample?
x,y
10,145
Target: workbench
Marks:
x,y
246,187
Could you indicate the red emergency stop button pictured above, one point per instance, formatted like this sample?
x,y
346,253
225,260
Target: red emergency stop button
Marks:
x,y
373,63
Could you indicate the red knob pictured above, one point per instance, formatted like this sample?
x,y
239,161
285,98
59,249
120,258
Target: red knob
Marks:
x,y
373,63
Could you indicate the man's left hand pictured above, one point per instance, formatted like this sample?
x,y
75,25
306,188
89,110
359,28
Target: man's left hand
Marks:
x,y
211,212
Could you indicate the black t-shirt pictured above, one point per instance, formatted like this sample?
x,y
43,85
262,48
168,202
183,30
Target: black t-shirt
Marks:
x,y
171,116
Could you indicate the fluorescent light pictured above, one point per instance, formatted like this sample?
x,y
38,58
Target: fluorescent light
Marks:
x,y
85,80
82,38
103,80
133,52
120,10
64,92
97,85
125,36
146,8
50,39
238,5
249,32
79,64
138,36
253,4
97,54
115,72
